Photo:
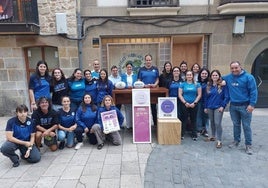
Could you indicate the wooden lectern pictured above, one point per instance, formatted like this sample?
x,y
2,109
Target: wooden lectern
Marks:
x,y
169,131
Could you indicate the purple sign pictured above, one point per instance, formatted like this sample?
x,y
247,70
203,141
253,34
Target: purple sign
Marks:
x,y
167,106
141,127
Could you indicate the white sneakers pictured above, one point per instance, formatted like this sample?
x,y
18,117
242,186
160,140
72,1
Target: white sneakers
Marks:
x,y
78,145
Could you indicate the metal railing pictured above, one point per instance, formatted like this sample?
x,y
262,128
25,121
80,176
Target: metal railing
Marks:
x,y
21,11
222,2
153,3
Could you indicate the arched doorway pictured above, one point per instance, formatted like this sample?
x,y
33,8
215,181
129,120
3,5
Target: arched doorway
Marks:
x,y
260,72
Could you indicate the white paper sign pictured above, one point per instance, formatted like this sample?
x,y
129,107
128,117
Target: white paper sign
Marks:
x,y
110,121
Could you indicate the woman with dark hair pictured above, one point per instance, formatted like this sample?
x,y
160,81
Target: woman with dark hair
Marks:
x,y
39,84
189,93
59,88
202,117
46,121
20,134
129,78
166,76
104,86
86,119
174,86
184,69
196,68
91,85
216,98
76,88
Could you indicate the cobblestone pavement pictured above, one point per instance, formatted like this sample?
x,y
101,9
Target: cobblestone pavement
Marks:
x,y
201,164
191,164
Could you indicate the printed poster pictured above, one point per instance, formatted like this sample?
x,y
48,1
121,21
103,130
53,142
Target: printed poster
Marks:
x,y
167,107
110,121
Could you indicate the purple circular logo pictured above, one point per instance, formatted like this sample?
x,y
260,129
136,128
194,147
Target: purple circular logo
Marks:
x,y
167,106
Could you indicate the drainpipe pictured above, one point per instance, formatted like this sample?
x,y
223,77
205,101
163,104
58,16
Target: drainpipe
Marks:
x,y
79,34
208,8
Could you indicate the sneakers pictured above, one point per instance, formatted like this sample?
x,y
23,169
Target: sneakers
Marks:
x,y
249,150
219,144
204,133
233,144
62,145
78,145
16,164
100,146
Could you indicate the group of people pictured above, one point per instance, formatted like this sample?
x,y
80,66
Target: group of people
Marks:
x,y
203,96
66,109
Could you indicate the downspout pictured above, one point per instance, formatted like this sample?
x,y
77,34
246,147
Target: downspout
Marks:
x,y
79,34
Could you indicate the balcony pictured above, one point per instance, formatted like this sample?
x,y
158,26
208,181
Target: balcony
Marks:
x,y
19,17
244,7
153,7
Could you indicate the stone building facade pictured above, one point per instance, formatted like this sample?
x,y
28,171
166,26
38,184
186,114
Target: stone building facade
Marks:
x,y
114,32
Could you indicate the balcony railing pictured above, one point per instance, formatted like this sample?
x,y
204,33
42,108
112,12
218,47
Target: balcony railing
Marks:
x,y
18,11
153,3
223,2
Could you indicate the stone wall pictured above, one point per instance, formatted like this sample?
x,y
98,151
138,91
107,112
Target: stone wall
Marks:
x,y
47,17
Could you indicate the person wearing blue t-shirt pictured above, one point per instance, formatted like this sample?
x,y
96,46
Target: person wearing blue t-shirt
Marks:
x,y
76,88
39,84
108,105
104,86
91,85
189,93
243,95
67,123
149,75
174,86
129,78
86,119
20,134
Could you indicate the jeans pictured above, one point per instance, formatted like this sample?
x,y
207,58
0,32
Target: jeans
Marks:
x,y
66,134
215,123
8,149
201,118
240,115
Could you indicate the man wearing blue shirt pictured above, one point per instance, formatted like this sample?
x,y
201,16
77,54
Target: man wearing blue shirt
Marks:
x,y
243,98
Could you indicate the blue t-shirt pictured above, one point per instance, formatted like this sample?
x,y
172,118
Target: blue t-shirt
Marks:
x,y
174,88
91,89
40,86
189,91
77,89
67,119
104,88
87,118
148,76
21,131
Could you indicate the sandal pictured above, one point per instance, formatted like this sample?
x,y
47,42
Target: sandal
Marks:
x,y
219,144
100,146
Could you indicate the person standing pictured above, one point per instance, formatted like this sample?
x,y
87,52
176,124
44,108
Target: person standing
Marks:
x,y
91,85
104,86
215,100
114,78
166,76
189,93
243,98
174,86
184,69
76,88
129,78
20,134
39,84
59,88
196,68
96,69
149,75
